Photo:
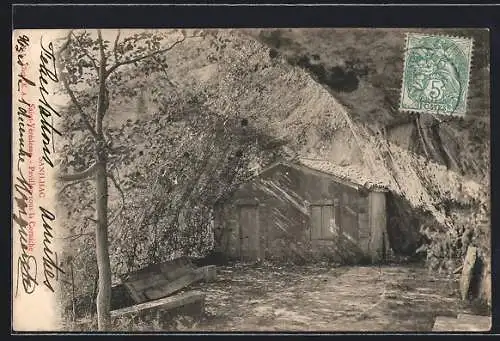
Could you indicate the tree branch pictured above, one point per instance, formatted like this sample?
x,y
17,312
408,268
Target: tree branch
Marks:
x,y
116,45
85,52
78,107
133,60
102,99
117,185
419,130
74,237
144,213
112,220
162,67
84,175
92,220
101,50
71,184
70,92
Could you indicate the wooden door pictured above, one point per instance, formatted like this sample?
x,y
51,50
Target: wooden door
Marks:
x,y
249,232
322,221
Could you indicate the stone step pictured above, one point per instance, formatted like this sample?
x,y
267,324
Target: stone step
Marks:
x,y
482,323
444,324
463,323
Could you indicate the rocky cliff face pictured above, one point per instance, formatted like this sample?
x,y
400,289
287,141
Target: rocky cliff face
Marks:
x,y
441,161
333,94
363,70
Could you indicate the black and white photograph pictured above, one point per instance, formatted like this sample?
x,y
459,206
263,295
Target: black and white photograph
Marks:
x,y
251,180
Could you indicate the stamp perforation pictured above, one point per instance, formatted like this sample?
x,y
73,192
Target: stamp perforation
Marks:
x,y
463,99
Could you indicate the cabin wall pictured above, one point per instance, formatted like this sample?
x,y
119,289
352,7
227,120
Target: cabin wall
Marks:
x,y
289,201
379,239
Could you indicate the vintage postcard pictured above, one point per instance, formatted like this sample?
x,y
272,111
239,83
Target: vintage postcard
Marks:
x,y
240,180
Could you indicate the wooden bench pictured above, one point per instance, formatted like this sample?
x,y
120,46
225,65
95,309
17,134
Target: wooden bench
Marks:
x,y
165,279
189,304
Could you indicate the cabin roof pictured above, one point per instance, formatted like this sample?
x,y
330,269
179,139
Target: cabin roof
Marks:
x,y
355,175
351,175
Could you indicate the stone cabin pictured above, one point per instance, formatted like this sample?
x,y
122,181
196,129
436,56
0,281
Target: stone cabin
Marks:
x,y
305,209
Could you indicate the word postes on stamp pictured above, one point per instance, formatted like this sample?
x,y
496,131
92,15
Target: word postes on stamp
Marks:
x,y
436,74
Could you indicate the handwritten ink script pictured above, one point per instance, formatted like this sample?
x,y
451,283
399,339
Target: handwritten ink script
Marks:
x,y
23,187
30,176
48,73
50,268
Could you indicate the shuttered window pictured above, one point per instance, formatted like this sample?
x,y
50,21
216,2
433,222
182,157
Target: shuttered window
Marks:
x,y
322,221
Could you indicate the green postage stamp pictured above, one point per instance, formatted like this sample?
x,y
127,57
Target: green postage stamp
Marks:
x,y
436,74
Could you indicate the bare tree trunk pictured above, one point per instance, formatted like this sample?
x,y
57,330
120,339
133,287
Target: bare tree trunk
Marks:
x,y
102,252
98,169
101,179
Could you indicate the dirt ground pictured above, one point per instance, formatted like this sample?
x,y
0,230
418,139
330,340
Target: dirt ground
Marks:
x,y
325,298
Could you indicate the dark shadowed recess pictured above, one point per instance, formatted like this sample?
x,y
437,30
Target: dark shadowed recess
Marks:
x,y
403,226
